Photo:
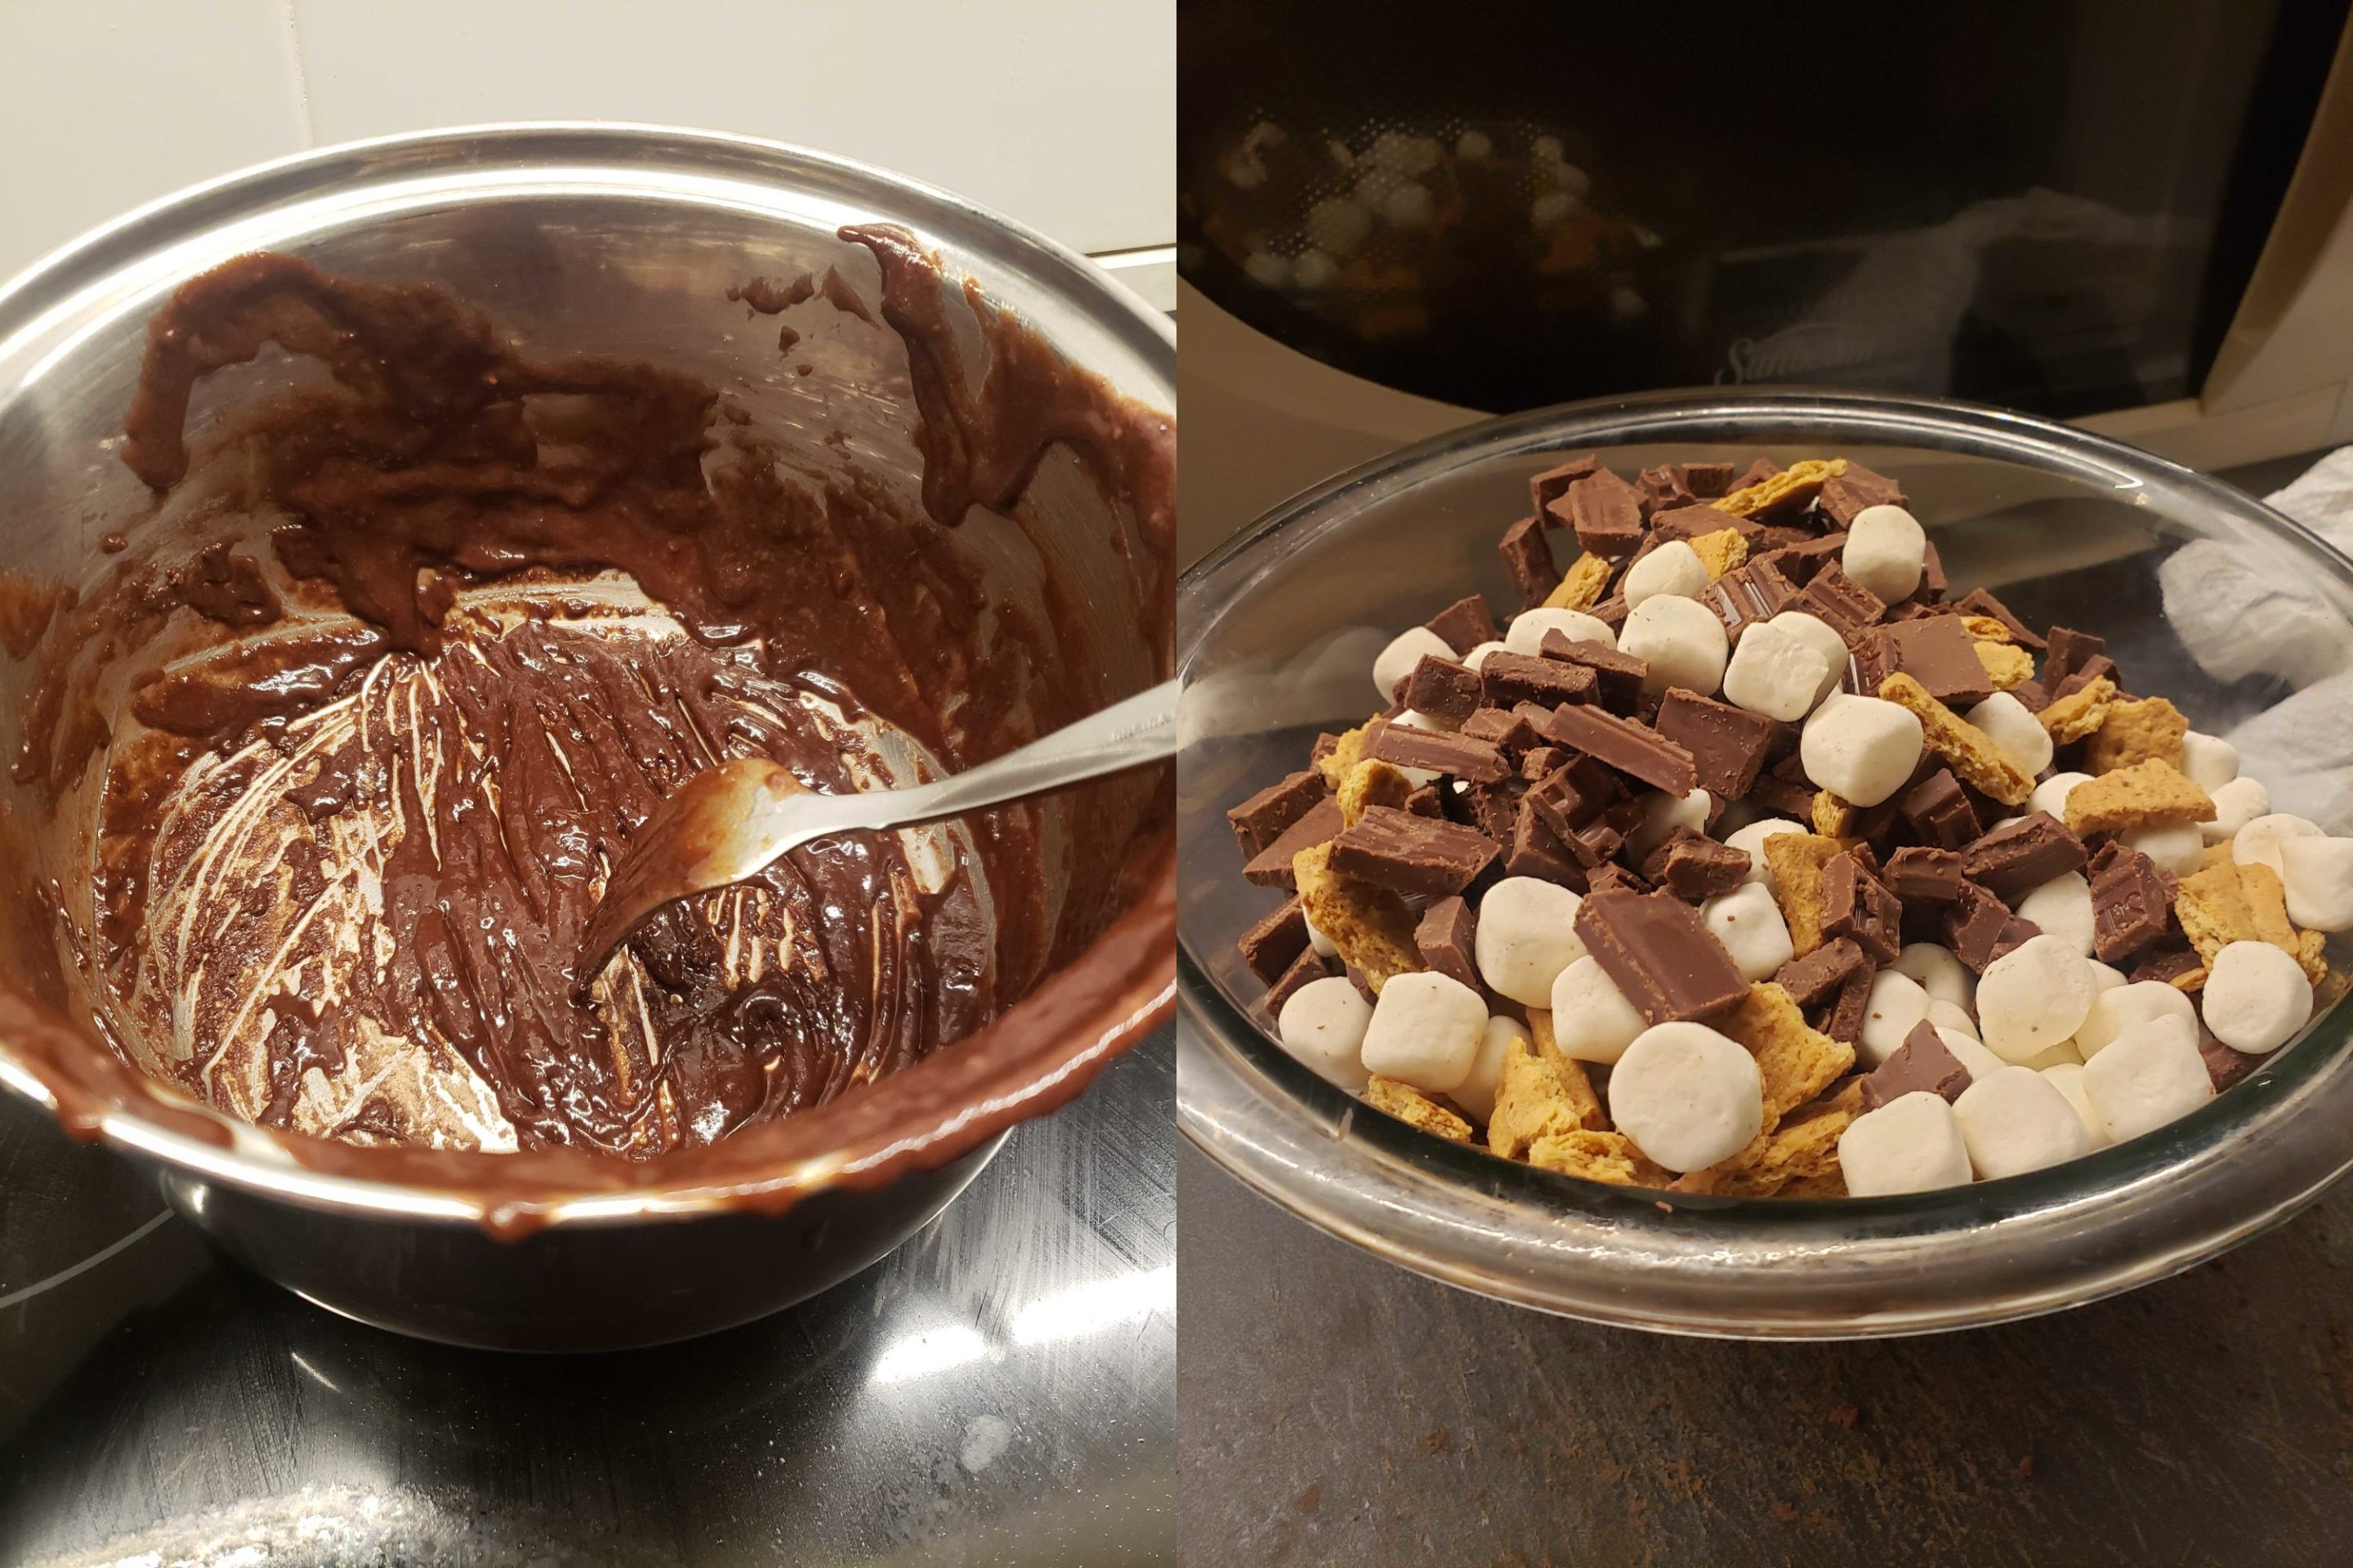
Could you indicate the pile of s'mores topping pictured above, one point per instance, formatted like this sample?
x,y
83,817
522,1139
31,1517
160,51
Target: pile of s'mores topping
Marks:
x,y
1746,861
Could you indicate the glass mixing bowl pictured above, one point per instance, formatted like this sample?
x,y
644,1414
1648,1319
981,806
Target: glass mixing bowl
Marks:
x,y
1276,638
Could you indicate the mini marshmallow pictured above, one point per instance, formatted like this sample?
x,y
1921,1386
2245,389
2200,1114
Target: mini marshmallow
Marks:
x,y
1406,650
2208,760
1663,814
2179,847
1943,1015
2258,842
2105,977
1822,638
1971,1054
1528,628
2131,1007
1778,673
2011,726
2063,907
1323,1025
1895,1007
1591,1019
2067,1077
1862,749
1750,842
1886,551
1687,1095
2050,797
1324,947
1476,1093
2063,1054
2236,804
2256,997
1748,922
1911,1144
2016,1120
1944,977
1526,935
2034,996
1426,1030
2145,1078
1684,643
2319,876
1674,567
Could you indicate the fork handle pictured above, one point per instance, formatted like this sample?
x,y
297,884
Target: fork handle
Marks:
x,y
1130,733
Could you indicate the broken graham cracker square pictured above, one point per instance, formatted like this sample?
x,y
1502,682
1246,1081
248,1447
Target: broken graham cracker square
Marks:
x,y
2230,903
1793,486
1721,551
1805,1147
1968,750
1412,1106
1345,753
1796,1061
1583,585
2007,666
1607,1157
1797,860
1369,925
1370,783
2151,794
1541,1093
2134,732
2080,712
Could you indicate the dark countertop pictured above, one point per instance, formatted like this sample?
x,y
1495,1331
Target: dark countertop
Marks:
x,y
1000,1390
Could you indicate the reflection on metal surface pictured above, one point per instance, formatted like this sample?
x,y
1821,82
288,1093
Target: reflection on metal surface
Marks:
x,y
928,1350
1102,1304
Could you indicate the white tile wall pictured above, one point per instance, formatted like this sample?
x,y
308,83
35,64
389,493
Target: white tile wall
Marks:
x,y
1061,113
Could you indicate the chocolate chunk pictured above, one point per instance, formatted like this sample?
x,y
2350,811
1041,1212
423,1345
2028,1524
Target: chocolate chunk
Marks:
x,y
1978,601
1856,489
1260,820
1758,470
1783,789
1933,581
1839,602
1507,732
1435,751
1656,951
1693,866
1613,877
2094,668
1529,560
2224,1067
1618,676
1691,522
1596,843
1511,678
1805,559
1939,812
1917,874
1574,793
2166,961
1727,745
1871,658
2070,651
1272,866
1539,761
1664,488
2131,898
1536,851
2016,931
2012,862
1849,1007
1326,744
1363,983
1857,906
1813,977
1550,486
2031,696
1443,689
1426,801
1492,809
1630,746
1939,651
1445,938
1708,479
1395,849
1604,511
1923,1062
1270,946
1465,624
1304,971
1974,923
1747,595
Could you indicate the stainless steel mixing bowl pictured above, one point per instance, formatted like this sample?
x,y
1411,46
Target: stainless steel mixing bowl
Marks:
x,y
1276,635
618,241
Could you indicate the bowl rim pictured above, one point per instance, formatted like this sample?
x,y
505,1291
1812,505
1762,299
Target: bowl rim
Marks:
x,y
1034,1056
1452,1210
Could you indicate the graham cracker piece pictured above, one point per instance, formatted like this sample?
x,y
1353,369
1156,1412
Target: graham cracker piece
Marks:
x,y
1583,585
2134,732
1986,629
2149,794
1805,1147
1797,860
1608,1157
1408,1104
2005,664
1968,750
2080,712
1344,757
1796,1062
1370,926
2226,904
1721,551
1831,1184
1798,482
1832,816
1371,783
2333,985
2190,981
1847,1098
1541,1094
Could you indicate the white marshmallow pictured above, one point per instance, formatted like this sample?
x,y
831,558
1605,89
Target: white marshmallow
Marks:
x,y
2067,1077
2062,908
1749,924
1750,842
2116,1012
2319,876
1663,814
1324,947
1528,628
1862,749
1825,640
2258,842
2034,996
1426,1031
1886,551
1944,977
1525,935
2050,797
2256,997
1323,1025
2012,726
1971,1054
2236,804
2063,1054
1476,1093
1945,1016
2208,761
2105,977
1895,1007
1911,1144
2016,1120
1406,650
2179,847
1776,672
1591,1019
1477,657
1684,643
1674,567
1687,1095
2145,1078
